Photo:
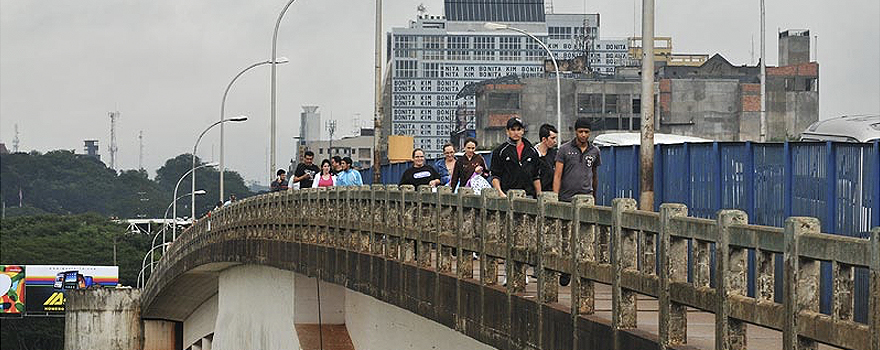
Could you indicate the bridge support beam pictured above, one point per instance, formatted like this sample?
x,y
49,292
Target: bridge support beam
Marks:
x,y
103,318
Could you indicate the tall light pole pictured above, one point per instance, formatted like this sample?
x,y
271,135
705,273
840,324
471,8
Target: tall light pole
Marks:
x,y
497,26
153,247
646,149
274,63
195,148
377,109
279,60
763,135
174,204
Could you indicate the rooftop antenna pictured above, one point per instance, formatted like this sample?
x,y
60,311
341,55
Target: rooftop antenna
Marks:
x,y
422,10
330,125
357,123
113,117
141,151
548,6
15,141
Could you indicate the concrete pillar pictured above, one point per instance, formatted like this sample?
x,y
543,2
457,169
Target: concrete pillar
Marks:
x,y
103,318
673,268
161,335
549,245
801,286
584,249
623,257
730,279
874,301
256,309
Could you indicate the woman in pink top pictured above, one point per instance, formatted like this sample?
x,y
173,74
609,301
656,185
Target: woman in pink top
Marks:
x,y
326,179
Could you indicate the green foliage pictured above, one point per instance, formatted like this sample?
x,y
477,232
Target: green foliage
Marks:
x,y
62,182
207,179
85,239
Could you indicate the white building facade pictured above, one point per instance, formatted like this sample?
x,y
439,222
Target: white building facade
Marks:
x,y
435,57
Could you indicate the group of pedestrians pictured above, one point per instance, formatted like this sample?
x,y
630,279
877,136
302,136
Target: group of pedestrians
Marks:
x,y
568,170
336,171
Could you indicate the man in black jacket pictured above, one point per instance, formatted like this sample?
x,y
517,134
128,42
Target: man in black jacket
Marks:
x,y
547,154
515,163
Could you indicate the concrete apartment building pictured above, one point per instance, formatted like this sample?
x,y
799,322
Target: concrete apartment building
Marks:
x,y
714,100
359,148
435,57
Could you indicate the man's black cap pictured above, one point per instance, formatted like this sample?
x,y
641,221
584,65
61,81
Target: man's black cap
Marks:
x,y
280,172
514,122
582,123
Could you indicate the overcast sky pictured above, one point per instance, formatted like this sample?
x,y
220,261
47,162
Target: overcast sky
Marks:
x,y
165,63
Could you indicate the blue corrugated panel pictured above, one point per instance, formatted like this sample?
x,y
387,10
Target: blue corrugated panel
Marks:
x,y
810,172
768,189
702,178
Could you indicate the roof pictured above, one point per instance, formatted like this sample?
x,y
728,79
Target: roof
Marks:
x,y
634,138
848,128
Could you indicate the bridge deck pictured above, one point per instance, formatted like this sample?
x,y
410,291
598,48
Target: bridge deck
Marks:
x,y
701,325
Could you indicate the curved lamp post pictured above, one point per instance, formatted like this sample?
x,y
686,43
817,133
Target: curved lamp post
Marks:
x,y
151,253
174,204
279,60
498,26
195,147
272,107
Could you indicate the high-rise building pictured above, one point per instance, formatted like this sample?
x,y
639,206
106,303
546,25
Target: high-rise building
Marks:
x,y
310,124
435,57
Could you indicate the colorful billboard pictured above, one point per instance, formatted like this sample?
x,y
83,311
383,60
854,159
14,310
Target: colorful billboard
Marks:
x,y
12,284
47,284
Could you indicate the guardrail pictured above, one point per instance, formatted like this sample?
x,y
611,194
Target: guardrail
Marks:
x,y
633,251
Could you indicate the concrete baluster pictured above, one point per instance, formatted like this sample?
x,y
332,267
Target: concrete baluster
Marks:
x,y
584,249
515,270
801,286
488,264
730,279
408,211
426,221
465,258
548,280
673,269
623,257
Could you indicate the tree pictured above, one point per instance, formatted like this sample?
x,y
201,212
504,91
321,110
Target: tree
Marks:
x,y
86,239
207,178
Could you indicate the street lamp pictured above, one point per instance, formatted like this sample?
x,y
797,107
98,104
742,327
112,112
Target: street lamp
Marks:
x,y
174,210
272,119
279,60
498,26
153,246
195,147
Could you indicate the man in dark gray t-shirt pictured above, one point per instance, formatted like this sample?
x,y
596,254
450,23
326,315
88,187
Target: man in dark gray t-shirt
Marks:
x,y
576,164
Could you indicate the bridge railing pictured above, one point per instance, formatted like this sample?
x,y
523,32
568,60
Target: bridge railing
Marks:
x,y
635,252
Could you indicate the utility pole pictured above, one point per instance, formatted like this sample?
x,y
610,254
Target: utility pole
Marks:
x,y
141,150
113,117
15,141
763,136
378,145
646,199
331,129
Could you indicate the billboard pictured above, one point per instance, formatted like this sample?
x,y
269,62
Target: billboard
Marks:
x,y
46,284
12,282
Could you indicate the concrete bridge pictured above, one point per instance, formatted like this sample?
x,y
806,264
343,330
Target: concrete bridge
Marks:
x,y
236,279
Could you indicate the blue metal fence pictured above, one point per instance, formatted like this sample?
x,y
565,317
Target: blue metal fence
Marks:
x,y
838,183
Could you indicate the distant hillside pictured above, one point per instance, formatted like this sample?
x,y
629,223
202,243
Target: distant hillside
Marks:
x,y
62,182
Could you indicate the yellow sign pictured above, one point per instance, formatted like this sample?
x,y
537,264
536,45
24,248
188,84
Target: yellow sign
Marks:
x,y
57,299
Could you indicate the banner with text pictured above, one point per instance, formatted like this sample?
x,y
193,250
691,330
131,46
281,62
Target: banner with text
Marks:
x,y
47,284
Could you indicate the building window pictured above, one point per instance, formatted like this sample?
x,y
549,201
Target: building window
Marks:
x,y
610,103
484,48
503,101
534,51
405,69
320,151
433,46
431,70
510,47
810,84
404,46
589,103
559,33
364,153
458,48
637,105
